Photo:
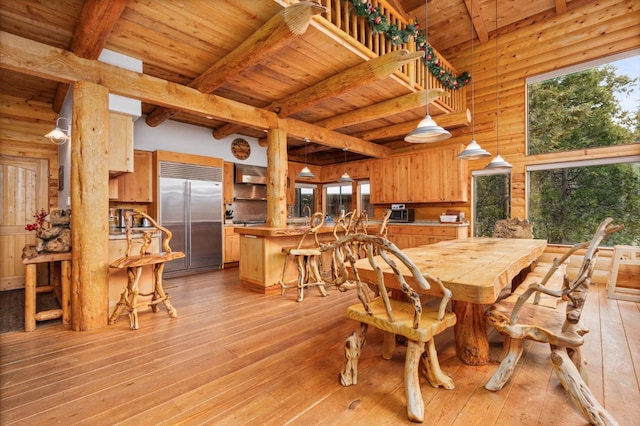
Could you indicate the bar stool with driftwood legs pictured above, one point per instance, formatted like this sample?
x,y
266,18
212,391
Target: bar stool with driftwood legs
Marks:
x,y
135,263
306,259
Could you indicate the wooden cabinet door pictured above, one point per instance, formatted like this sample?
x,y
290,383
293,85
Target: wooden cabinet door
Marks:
x,y
402,179
377,184
120,144
137,185
227,183
231,245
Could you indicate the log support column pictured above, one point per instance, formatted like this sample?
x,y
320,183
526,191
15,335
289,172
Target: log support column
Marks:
x,y
89,206
277,176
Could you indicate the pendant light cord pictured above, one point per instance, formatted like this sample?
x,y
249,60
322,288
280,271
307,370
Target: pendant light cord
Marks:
x,y
497,94
473,84
426,49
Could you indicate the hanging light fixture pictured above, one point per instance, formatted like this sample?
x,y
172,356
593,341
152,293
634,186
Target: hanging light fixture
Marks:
x,y
305,172
345,176
427,130
498,162
473,151
58,136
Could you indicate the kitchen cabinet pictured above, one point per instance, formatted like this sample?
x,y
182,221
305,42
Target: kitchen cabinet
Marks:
x,y
432,175
227,183
137,185
120,144
231,245
405,236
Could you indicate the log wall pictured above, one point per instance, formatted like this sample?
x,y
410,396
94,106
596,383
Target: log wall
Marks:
x,y
583,34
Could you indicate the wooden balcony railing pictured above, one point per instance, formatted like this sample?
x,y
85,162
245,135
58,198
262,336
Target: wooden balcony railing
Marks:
x,y
414,73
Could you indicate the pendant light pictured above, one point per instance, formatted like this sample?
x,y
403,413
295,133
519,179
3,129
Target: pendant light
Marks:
x,y
345,176
305,172
473,151
427,130
498,162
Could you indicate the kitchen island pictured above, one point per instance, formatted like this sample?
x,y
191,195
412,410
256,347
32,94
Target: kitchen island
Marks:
x,y
262,259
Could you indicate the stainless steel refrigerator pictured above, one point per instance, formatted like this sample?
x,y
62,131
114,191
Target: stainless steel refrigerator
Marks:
x,y
191,208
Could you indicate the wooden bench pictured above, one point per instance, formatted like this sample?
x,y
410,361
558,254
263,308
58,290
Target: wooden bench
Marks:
x,y
134,264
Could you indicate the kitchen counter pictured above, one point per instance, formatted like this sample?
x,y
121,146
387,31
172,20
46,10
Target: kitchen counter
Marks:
x,y
121,234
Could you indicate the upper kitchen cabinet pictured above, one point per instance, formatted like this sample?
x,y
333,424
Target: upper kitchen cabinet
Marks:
x,y
120,144
430,176
136,186
227,183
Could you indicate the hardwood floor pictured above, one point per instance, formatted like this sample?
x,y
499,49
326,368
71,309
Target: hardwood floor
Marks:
x,y
237,357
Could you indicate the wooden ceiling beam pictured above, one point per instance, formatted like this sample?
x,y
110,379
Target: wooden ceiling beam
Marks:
x,y
38,59
362,74
383,109
561,6
479,23
280,30
97,19
447,121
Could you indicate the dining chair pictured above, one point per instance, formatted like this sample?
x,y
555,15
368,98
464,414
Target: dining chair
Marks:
x,y
407,317
518,318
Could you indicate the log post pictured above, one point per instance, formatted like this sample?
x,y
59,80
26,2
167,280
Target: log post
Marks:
x,y
277,177
89,204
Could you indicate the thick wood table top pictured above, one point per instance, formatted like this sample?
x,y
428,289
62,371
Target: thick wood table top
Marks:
x,y
475,269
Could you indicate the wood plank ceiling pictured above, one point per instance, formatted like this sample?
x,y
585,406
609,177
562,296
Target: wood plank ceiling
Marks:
x,y
239,50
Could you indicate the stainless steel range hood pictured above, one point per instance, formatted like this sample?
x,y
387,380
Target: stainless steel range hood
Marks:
x,y
256,175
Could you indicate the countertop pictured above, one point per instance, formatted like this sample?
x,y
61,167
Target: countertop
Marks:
x,y
300,228
121,234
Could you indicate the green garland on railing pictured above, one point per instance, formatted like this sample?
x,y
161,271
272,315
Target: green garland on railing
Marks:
x,y
397,36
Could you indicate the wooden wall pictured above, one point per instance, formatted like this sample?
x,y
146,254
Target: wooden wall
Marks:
x,y
590,32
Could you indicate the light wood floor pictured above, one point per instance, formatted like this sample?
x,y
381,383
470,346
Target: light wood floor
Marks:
x,y
237,357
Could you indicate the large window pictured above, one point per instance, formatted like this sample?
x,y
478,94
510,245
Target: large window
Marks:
x,y
364,192
491,200
305,200
570,111
337,199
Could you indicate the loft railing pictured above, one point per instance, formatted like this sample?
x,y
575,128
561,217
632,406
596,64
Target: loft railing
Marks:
x,y
414,73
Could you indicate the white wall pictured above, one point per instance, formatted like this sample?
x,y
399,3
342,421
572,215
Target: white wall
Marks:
x,y
188,139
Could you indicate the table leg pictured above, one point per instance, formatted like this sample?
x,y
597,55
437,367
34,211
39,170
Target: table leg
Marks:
x,y
470,331
65,278
134,278
157,278
30,297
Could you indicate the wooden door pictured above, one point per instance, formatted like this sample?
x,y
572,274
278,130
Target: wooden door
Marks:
x,y
24,186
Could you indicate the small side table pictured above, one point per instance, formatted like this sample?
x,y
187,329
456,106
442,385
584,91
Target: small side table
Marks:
x,y
61,279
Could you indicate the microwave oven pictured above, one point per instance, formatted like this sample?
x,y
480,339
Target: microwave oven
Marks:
x,y
402,215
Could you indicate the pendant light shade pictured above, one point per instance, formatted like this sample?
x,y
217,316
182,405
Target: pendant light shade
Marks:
x,y
345,176
498,162
305,172
427,130
473,151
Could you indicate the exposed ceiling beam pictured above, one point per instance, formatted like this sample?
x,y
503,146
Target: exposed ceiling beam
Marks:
x,y
360,75
97,19
279,31
561,6
382,109
479,23
38,59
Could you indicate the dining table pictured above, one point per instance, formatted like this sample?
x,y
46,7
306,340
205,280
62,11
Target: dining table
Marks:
x,y
476,270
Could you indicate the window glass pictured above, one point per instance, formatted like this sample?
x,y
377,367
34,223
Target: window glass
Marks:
x,y
364,189
337,199
491,200
567,202
305,200
577,109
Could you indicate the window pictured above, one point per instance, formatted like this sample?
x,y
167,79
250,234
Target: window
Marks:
x,y
567,201
337,199
305,196
595,105
364,192
491,200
